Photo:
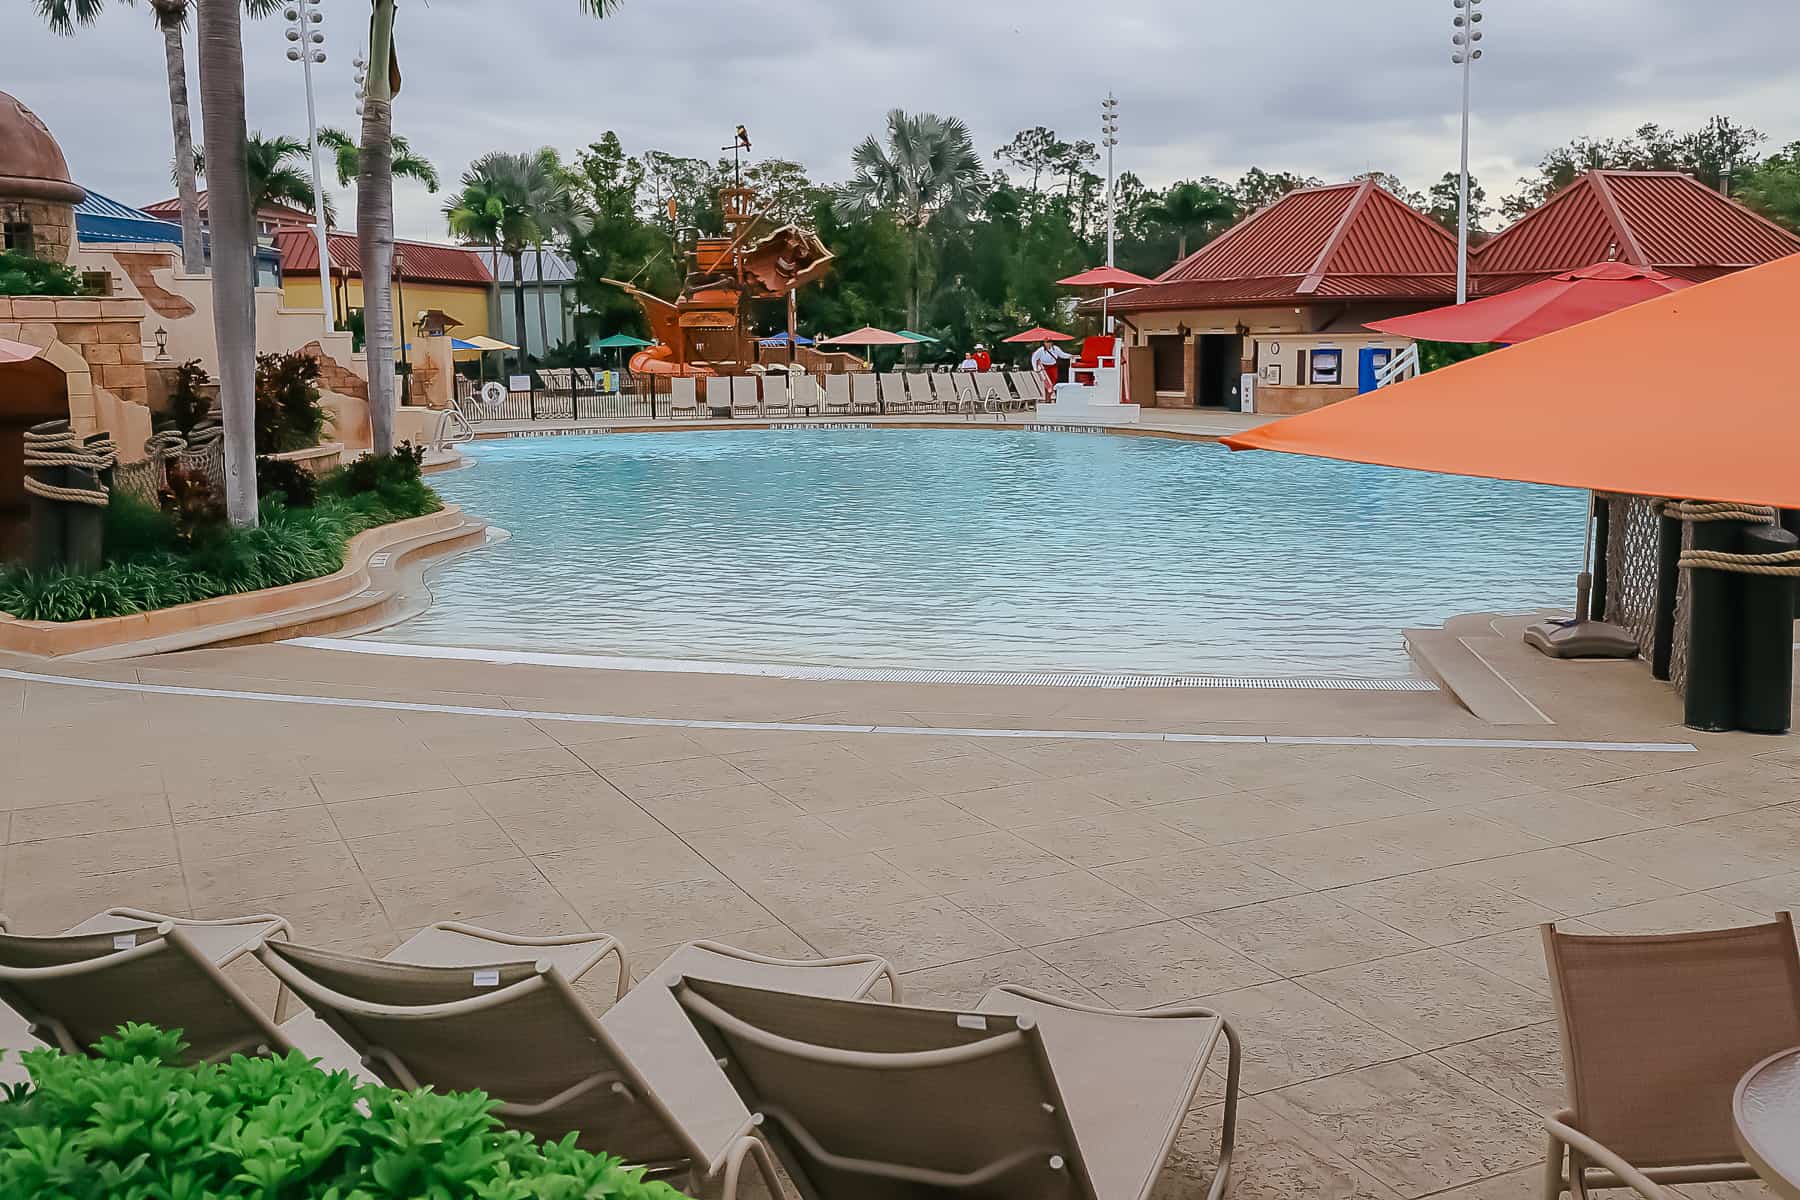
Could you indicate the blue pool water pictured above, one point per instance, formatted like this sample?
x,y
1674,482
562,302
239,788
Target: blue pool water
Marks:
x,y
982,548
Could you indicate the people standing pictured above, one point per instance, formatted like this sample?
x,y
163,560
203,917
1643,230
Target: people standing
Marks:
x,y
1046,360
983,360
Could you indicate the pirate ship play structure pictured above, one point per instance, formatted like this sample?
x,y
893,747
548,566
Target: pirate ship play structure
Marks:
x,y
708,330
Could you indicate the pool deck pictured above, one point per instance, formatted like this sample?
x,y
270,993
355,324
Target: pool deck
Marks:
x,y
1364,910
1198,424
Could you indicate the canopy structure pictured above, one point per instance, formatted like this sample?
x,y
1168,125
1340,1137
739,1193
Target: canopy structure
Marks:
x,y
1039,334
868,335
1106,277
488,345
1539,308
780,341
618,341
1640,401
910,336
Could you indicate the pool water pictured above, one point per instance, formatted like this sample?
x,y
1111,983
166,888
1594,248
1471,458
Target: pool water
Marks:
x,y
982,548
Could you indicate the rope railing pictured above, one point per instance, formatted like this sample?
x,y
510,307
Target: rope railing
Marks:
x,y
66,449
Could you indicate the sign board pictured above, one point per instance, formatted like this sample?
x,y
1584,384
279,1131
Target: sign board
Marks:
x,y
519,383
1247,392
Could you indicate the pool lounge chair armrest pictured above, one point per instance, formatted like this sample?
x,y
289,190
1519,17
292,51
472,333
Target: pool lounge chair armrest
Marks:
x,y
845,960
1564,1134
602,946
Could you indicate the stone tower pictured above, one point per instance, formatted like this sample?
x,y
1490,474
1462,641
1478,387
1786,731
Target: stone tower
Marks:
x,y
37,197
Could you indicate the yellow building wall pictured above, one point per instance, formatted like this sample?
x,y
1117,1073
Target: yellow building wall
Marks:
x,y
468,303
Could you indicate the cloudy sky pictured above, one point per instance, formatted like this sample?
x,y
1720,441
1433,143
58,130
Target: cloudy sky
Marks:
x,y
1322,87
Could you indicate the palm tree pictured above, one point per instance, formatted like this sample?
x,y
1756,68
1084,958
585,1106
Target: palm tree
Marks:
x,y
171,19
494,204
407,163
555,211
274,174
375,209
928,168
1189,208
234,243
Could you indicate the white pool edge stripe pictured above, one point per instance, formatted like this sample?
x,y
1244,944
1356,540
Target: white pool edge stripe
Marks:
x,y
520,714
1111,680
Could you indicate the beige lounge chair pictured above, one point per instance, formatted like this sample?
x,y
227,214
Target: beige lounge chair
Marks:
x,y
124,965
1028,1096
804,394
638,1083
1656,1032
837,394
684,397
995,392
894,399
968,395
744,399
944,385
775,401
918,393
1028,384
864,394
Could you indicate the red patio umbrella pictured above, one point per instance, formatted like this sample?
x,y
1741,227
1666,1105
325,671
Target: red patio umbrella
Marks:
x,y
868,335
1106,277
1039,334
1538,308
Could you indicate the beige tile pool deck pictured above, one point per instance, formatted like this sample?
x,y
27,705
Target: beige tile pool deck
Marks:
x,y
1365,913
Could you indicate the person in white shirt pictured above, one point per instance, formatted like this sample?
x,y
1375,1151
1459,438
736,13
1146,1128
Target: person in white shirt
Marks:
x,y
1044,361
968,363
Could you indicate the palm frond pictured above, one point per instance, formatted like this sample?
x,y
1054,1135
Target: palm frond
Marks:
x,y
63,16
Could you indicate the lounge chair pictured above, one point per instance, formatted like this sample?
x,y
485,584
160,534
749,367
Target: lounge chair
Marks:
x,y
684,397
837,395
1029,385
994,391
918,393
775,396
1028,1096
969,397
638,1083
944,383
894,398
744,399
72,989
804,396
1656,1033
863,394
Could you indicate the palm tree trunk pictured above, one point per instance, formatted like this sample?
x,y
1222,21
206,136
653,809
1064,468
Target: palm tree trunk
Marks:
x,y
193,246
543,308
234,239
518,261
1181,252
375,229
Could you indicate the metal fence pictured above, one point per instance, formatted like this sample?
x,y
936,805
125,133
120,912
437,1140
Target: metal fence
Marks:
x,y
545,405
1644,594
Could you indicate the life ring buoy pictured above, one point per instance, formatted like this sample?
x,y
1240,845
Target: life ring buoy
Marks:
x,y
493,393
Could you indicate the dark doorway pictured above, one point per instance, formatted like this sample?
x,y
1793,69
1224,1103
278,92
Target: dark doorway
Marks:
x,y
30,392
1219,370
1166,350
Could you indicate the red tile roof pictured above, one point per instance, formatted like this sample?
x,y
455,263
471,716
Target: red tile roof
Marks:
x,y
1660,219
170,210
423,261
1350,241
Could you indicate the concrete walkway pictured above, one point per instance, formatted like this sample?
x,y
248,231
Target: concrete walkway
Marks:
x,y
1365,912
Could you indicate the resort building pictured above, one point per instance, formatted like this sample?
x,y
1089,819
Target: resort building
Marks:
x,y
1660,219
549,302
103,221
453,279
1269,317
270,215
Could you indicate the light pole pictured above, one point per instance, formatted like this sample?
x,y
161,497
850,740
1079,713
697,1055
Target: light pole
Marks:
x,y
303,16
1109,137
1468,33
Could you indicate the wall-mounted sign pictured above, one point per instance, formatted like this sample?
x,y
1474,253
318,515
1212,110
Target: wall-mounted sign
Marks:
x,y
519,383
1327,367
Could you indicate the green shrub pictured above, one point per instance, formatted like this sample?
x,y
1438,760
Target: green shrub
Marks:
x,y
397,479
290,546
1435,355
288,413
135,529
188,406
288,479
23,275
131,1125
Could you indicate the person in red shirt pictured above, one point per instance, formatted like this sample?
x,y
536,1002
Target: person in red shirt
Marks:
x,y
983,360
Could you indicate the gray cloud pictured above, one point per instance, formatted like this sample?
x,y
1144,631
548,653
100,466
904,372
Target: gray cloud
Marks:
x,y
1327,89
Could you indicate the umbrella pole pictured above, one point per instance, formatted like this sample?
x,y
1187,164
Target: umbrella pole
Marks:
x,y
1584,582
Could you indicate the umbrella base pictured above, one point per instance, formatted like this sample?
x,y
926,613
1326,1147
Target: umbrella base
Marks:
x,y
1581,639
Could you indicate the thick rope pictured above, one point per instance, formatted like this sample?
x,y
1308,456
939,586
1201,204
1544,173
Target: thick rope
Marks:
x,y
66,448
1696,512
1784,562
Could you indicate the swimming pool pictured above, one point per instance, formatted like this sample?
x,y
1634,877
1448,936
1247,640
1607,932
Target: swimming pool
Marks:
x,y
981,548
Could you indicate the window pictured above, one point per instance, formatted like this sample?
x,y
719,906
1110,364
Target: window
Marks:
x,y
1300,371
1327,367
18,237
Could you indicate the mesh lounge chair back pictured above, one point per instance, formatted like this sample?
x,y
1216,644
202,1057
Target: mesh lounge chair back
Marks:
x,y
803,389
918,392
992,385
894,398
1029,385
837,393
684,395
744,398
863,396
516,1032
775,395
1658,1030
968,392
75,989
943,387
880,1102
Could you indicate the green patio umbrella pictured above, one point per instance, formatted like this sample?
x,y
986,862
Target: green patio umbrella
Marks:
x,y
621,342
917,337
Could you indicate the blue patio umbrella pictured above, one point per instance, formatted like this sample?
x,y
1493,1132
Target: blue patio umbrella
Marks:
x,y
455,344
780,341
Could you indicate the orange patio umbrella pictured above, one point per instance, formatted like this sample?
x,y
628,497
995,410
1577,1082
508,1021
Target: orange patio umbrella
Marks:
x,y
1538,308
868,335
1039,334
1651,400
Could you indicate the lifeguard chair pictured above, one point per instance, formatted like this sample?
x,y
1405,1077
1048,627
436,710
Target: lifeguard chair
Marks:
x,y
1096,393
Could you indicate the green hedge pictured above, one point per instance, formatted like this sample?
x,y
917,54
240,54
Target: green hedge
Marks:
x,y
131,1125
148,568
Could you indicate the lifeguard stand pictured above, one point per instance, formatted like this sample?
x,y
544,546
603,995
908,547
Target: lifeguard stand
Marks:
x,y
1096,394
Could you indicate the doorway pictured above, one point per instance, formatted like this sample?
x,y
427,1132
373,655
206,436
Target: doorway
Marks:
x,y
30,392
1219,370
1167,352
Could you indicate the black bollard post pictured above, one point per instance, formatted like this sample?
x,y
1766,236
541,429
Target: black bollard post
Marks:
x,y
1668,582
1766,637
47,529
1713,608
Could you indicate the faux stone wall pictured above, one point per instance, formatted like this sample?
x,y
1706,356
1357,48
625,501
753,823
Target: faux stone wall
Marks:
x,y
98,345
52,227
